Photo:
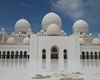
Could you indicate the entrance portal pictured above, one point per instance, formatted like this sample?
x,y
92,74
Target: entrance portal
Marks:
x,y
54,52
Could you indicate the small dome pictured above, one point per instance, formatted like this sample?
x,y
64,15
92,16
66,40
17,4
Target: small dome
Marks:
x,y
3,29
65,34
49,19
90,34
99,35
22,25
62,32
82,41
29,30
12,34
42,32
75,30
19,33
11,40
53,30
23,34
26,41
38,33
95,41
81,26
84,33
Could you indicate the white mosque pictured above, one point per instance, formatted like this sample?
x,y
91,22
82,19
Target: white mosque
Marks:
x,y
51,42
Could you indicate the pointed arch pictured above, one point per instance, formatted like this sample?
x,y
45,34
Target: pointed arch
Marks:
x,y
65,53
21,54
54,52
87,55
91,55
3,54
25,54
95,55
12,54
8,54
44,54
83,55
16,55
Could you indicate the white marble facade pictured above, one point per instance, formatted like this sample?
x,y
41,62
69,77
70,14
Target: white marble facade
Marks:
x,y
51,42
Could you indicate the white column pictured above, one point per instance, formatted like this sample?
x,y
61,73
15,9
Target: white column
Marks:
x,y
3,37
60,53
33,47
48,54
39,53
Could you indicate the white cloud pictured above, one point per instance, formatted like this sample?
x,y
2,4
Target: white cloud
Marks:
x,y
70,8
88,10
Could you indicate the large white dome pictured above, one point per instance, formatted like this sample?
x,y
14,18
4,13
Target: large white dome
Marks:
x,y
11,40
81,26
26,41
53,30
82,41
22,25
95,41
49,19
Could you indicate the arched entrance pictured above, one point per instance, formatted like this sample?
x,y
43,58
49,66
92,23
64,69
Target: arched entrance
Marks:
x,y
87,55
54,52
8,54
65,53
95,55
12,55
16,55
21,54
43,54
91,55
83,55
25,54
3,54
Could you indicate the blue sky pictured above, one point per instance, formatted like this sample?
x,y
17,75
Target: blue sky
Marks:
x,y
34,10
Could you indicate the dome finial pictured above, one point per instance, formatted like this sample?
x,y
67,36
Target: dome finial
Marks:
x,y
51,6
80,18
23,17
51,10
